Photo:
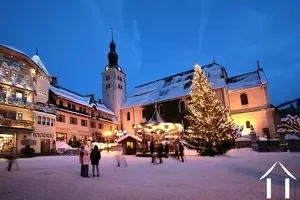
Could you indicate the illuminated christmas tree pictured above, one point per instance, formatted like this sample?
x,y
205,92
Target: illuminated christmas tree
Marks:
x,y
210,132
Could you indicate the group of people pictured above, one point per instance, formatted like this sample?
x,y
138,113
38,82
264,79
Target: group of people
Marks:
x,y
94,157
164,150
85,158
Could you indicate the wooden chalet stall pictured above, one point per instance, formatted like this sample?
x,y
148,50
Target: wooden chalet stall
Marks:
x,y
129,143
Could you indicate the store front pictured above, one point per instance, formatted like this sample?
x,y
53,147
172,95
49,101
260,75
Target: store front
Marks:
x,y
7,142
61,137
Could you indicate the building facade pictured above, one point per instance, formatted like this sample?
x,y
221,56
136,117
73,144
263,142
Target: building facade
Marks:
x,y
23,93
80,117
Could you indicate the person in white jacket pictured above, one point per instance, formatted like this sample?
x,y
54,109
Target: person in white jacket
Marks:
x,y
120,157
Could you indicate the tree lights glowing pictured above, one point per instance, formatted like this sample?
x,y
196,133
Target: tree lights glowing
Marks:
x,y
210,132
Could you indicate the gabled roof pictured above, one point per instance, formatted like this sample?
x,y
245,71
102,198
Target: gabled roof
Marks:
x,y
85,100
174,86
248,80
129,135
288,104
38,61
33,59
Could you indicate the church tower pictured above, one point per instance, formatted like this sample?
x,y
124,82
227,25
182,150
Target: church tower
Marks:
x,y
113,83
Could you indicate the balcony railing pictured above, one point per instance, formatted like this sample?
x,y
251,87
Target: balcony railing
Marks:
x,y
16,123
17,82
15,101
45,108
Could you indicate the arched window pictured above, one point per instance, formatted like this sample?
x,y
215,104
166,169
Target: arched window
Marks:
x,y
181,106
144,113
248,125
128,116
244,99
161,110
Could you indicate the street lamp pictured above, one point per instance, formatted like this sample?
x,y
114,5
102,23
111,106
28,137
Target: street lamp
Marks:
x,y
107,135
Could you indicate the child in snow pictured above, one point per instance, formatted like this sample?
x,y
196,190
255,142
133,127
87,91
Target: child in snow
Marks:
x,y
85,164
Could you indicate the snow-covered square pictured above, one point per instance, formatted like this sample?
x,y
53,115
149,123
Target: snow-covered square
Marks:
x,y
234,176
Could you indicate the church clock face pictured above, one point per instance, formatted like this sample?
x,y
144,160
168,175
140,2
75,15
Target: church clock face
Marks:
x,y
106,68
119,68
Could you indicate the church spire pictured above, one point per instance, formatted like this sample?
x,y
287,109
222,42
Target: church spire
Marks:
x,y
112,55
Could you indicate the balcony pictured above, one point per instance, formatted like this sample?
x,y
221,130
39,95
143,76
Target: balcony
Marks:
x,y
104,118
47,108
15,101
17,82
27,124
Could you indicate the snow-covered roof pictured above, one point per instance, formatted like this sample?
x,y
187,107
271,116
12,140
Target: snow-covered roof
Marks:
x,y
172,87
38,61
286,105
129,135
85,100
249,80
35,59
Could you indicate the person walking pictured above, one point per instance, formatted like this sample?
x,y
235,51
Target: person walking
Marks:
x,y
85,164
167,150
160,151
95,157
181,151
152,147
120,156
81,154
12,159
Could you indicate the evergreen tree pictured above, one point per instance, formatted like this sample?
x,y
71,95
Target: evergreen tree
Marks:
x,y
210,132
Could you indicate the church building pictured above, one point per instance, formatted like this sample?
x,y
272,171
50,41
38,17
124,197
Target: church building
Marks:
x,y
245,95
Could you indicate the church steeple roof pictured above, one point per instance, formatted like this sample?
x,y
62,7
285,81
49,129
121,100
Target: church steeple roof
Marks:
x,y
112,55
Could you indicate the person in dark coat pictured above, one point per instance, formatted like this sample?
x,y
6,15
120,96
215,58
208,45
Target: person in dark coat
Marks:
x,y
12,159
81,154
160,152
152,146
181,151
95,157
167,150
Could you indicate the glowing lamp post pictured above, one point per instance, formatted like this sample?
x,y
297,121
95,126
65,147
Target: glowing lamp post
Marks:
x,y
107,135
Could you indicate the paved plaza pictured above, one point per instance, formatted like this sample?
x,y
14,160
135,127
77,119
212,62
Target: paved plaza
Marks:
x,y
232,177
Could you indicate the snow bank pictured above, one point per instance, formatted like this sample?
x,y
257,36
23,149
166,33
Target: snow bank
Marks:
x,y
62,145
189,152
240,152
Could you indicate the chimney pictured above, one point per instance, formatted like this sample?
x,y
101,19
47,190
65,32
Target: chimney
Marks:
x,y
100,101
54,81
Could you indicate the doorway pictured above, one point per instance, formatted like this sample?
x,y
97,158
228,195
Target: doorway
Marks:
x,y
130,148
45,146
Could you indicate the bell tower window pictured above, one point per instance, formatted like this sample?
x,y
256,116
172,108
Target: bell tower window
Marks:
x,y
244,99
128,116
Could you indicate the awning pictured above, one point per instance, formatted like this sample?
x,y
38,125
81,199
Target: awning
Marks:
x,y
15,130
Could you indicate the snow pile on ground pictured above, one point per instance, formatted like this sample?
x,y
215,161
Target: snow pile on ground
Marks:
x,y
104,145
240,152
243,138
62,145
189,152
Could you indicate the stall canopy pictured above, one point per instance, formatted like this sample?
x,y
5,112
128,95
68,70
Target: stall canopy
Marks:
x,y
156,126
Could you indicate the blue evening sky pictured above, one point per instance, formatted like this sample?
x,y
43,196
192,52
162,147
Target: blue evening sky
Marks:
x,y
158,38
